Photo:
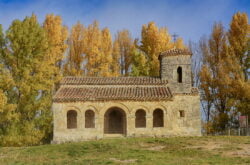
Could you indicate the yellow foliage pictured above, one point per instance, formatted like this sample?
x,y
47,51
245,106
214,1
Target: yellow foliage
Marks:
x,y
73,66
155,40
125,43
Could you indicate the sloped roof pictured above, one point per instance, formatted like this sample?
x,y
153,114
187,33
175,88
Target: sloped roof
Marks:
x,y
174,52
112,88
135,93
113,81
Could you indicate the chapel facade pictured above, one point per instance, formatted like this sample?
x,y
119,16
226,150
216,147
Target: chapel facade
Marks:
x,y
98,107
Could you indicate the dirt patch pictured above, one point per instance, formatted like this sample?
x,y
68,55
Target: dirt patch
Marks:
x,y
243,150
151,147
227,149
208,146
128,161
155,148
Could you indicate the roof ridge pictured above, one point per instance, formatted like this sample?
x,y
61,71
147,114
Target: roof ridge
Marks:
x,y
142,80
175,51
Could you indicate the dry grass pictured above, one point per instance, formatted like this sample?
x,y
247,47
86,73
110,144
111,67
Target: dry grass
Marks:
x,y
174,150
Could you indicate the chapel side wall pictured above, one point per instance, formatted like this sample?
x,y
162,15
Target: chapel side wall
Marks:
x,y
190,124
174,125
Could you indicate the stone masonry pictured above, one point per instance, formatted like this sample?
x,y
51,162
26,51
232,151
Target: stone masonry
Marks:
x,y
92,108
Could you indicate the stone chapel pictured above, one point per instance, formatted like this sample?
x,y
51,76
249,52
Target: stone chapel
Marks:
x,y
98,107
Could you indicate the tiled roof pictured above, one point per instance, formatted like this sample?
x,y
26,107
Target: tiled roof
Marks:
x,y
113,81
173,52
72,94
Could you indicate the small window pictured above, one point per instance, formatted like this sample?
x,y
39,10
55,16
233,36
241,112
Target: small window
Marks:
x,y
71,119
89,119
182,113
179,74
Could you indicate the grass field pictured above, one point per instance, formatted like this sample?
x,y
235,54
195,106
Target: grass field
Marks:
x,y
151,151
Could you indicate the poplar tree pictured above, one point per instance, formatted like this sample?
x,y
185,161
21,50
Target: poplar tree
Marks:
x,y
106,53
57,36
75,58
223,75
92,51
27,83
239,38
8,116
153,42
125,44
239,45
215,80
115,65
139,64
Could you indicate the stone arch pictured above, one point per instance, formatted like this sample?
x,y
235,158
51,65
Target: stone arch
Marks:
x,y
71,119
158,118
77,109
115,121
91,107
65,111
140,118
162,107
141,107
118,105
179,74
89,119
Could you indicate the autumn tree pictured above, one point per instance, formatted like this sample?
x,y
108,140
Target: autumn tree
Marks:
x,y
139,64
214,76
92,49
115,65
239,40
153,41
7,110
125,43
26,82
75,58
223,77
57,36
238,36
98,50
178,44
105,54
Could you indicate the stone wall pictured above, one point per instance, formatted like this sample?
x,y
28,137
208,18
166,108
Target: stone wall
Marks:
x,y
174,125
169,66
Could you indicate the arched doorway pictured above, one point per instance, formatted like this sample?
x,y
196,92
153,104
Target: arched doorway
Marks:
x,y
115,121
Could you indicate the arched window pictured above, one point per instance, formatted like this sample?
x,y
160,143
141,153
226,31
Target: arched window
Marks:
x,y
179,74
89,119
158,118
71,119
140,119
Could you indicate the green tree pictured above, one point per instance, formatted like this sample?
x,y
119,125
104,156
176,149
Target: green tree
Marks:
x,y
26,82
139,64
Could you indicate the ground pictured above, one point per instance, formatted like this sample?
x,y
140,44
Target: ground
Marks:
x,y
175,150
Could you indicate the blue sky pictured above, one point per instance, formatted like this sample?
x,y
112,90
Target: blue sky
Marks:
x,y
190,19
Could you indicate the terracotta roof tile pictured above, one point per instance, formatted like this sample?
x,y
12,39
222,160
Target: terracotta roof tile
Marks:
x,y
174,52
113,81
71,94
